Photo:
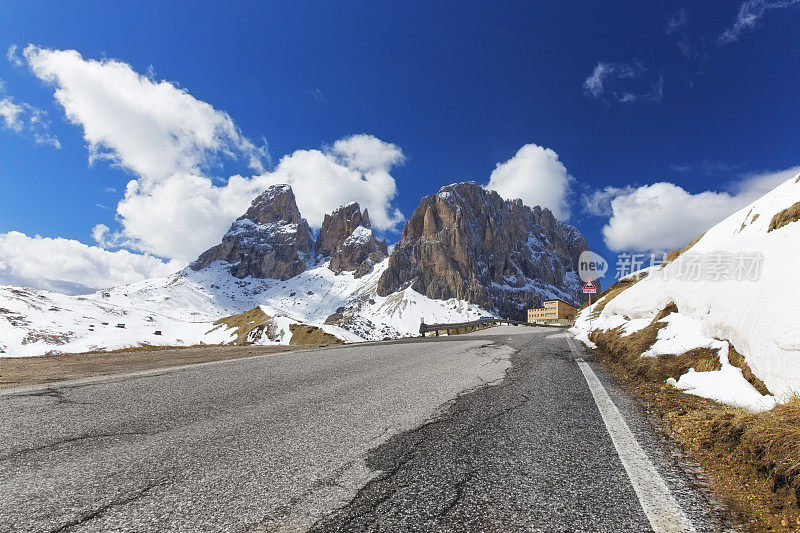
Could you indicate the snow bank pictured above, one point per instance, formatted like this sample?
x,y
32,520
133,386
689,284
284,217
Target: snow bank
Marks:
x,y
745,294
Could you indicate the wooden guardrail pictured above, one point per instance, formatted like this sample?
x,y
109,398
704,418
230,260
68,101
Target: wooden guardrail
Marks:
x,y
464,327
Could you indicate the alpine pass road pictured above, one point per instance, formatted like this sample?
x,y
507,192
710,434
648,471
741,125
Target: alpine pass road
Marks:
x,y
505,429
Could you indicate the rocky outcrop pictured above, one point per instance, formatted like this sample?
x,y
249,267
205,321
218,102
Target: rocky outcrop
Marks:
x,y
346,237
271,240
468,243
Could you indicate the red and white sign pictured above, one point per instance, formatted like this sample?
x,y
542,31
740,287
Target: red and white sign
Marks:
x,y
589,288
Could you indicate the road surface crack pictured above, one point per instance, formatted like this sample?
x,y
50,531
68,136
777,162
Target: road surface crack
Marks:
x,y
56,394
117,502
70,440
458,487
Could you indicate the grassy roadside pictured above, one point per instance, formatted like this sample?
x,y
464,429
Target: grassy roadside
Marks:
x,y
752,459
18,371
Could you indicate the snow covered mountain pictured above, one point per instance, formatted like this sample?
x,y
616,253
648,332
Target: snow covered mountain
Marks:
x,y
735,292
183,308
269,275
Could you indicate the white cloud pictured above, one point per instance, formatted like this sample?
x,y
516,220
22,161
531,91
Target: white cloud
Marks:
x,y
536,176
355,168
664,216
27,121
100,234
167,138
182,216
46,138
598,202
152,128
12,56
70,266
623,83
750,12
11,114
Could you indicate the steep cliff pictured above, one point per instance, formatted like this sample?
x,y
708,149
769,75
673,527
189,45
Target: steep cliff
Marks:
x,y
468,243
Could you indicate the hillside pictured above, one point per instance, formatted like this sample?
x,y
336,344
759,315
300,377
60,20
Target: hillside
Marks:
x,y
184,307
730,292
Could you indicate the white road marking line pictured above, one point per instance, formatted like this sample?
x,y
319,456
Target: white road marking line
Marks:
x,y
658,504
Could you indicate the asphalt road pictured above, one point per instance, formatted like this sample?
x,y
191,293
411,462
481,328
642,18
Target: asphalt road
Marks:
x,y
493,431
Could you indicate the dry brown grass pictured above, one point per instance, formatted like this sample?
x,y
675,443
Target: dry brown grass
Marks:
x,y
747,456
765,450
787,216
244,323
141,347
755,217
16,371
752,459
303,334
737,359
673,255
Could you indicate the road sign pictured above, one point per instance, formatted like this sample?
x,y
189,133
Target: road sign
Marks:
x,y
589,288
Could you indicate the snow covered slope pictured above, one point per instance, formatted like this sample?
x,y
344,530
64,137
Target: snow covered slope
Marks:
x,y
737,283
183,307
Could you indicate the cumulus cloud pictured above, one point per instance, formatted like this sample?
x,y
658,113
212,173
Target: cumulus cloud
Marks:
x,y
168,139
623,83
182,216
69,266
152,128
750,12
535,175
664,216
354,168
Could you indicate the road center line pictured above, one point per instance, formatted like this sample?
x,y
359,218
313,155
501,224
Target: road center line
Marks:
x,y
658,504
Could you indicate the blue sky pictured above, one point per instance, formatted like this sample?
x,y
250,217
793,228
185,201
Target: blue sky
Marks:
x,y
647,105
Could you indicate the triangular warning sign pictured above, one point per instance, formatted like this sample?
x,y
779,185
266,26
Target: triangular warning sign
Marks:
x,y
589,286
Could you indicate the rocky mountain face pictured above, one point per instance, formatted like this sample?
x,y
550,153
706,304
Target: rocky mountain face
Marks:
x,y
464,242
468,243
271,240
346,237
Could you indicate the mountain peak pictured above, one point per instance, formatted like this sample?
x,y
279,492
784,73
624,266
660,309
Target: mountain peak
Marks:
x,y
271,240
346,237
468,243
276,204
